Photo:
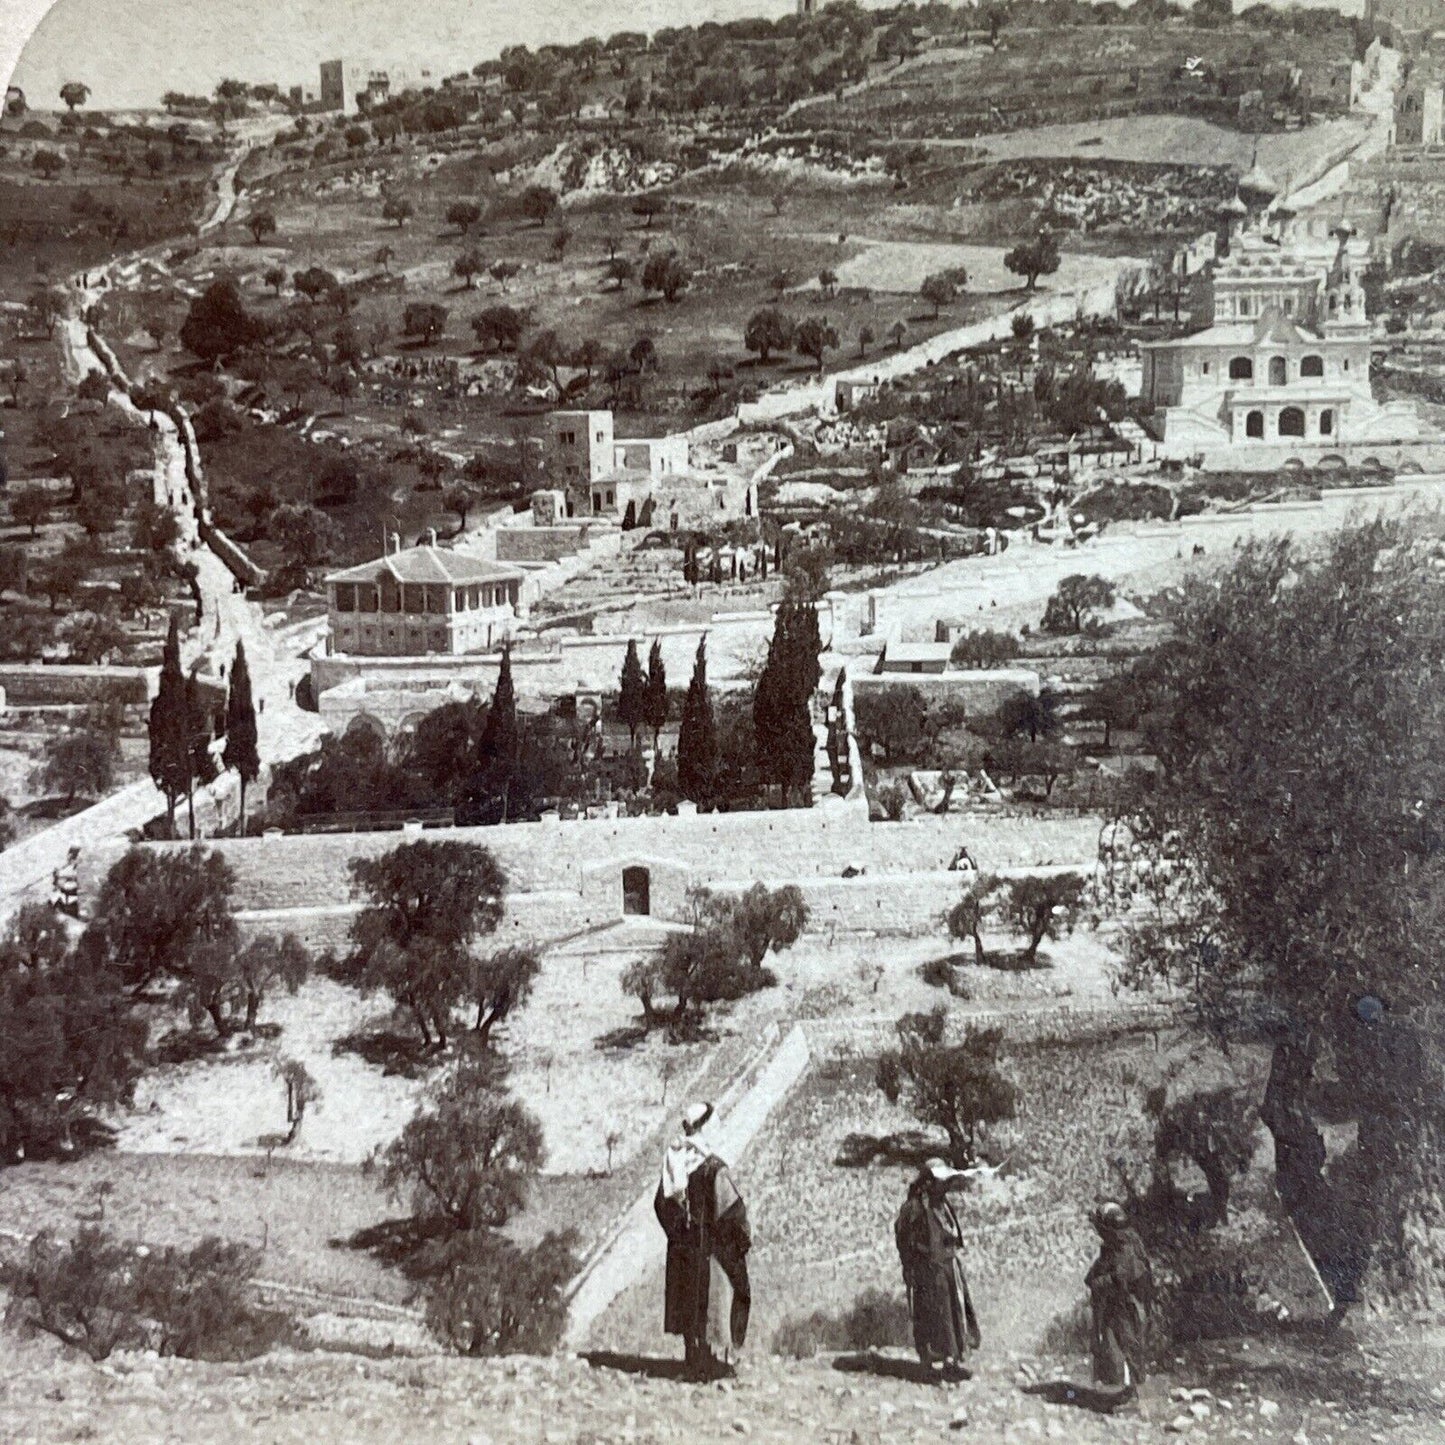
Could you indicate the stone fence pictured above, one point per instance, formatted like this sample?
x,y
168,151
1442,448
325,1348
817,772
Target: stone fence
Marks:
x,y
568,877
43,684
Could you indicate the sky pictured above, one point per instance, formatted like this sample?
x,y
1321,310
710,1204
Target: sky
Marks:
x,y
131,51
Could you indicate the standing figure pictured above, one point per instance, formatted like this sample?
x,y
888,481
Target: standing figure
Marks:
x,y
707,1298
1121,1295
930,1248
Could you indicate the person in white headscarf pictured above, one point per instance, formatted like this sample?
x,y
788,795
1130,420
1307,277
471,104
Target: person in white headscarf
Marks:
x,y
707,1297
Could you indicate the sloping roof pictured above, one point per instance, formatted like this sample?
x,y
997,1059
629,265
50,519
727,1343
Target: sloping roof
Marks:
x,y
429,564
1275,326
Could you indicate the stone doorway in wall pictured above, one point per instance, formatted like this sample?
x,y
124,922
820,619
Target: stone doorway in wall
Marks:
x,y
636,891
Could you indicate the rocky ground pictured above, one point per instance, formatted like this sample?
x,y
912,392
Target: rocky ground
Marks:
x,y
49,1397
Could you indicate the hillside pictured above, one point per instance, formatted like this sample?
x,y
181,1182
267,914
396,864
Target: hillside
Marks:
x,y
289,1398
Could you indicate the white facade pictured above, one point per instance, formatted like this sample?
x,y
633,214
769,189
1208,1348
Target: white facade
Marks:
x,y
578,446
349,85
1287,359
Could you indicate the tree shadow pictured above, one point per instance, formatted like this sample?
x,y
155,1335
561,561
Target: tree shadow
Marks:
x,y
1084,1397
188,1046
395,1241
621,1039
1015,960
894,1367
393,1053
86,1137
906,1149
648,1366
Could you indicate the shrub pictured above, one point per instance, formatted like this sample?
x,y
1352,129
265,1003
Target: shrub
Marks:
x,y
197,1303
956,1087
490,1296
99,1295
468,1156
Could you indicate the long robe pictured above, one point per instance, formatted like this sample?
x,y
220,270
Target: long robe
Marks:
x,y
707,1296
1121,1294
930,1249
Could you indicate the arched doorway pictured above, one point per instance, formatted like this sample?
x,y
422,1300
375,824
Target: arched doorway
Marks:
x,y
1291,422
1254,424
1327,422
1278,371
636,891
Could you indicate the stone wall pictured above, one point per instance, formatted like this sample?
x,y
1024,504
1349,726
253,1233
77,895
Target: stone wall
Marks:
x,y
38,684
539,544
565,877
981,692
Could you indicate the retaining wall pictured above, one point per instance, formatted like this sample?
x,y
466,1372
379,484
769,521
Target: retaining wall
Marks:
x,y
39,684
981,692
564,877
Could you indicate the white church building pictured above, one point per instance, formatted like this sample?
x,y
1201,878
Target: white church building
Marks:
x,y
1287,358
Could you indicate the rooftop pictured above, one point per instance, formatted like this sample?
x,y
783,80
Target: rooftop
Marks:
x,y
425,563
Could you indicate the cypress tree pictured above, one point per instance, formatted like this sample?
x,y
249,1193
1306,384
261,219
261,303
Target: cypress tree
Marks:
x,y
656,714
782,711
170,762
499,741
632,701
697,739
199,765
241,752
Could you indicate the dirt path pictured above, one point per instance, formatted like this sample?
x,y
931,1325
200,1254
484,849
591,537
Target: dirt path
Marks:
x,y
227,618
637,1245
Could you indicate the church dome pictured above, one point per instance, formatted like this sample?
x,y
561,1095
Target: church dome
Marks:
x,y
1257,187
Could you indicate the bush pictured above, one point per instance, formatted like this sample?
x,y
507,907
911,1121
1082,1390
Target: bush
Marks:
x,y
875,1320
490,1296
99,1295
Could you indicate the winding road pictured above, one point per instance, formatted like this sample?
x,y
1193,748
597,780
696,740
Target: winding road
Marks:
x,y
276,663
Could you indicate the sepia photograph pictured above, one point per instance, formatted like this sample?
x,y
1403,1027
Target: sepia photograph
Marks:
x,y
723,721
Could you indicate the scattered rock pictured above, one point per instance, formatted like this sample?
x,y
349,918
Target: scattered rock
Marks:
x,y
959,1420
1200,1410
1268,1409
1181,1423
741,1427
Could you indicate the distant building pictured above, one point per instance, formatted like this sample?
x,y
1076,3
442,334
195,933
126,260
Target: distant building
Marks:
x,y
1287,359
353,85
1419,113
421,600
915,657
1405,24
577,446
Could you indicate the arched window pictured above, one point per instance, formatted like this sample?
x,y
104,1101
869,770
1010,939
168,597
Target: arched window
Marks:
x,y
1254,424
1291,422
1278,371
1327,422
1312,366
1241,368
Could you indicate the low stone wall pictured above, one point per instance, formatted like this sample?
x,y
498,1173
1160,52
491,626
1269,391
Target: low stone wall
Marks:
x,y
565,877
38,685
981,692
538,675
1418,456
539,544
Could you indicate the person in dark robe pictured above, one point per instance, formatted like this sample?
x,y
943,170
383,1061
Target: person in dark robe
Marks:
x,y
930,1249
707,1296
1121,1297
